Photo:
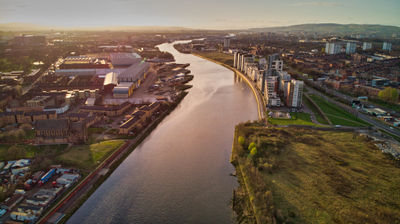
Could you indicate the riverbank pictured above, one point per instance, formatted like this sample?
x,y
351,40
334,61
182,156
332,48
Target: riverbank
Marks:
x,y
82,191
262,111
304,175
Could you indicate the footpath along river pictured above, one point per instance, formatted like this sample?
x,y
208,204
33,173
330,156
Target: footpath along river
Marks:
x,y
180,172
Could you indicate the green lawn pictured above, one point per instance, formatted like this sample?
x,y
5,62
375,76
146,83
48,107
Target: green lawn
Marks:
x,y
217,56
296,119
316,112
336,114
88,156
84,157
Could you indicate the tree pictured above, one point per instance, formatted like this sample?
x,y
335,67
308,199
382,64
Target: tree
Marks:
x,y
241,140
253,151
251,146
389,94
15,152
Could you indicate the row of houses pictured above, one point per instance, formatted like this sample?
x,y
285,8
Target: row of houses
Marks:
x,y
107,110
21,117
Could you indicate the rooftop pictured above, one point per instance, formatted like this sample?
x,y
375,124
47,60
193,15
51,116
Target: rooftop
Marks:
x,y
51,124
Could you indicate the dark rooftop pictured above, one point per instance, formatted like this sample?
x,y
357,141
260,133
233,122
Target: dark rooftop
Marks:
x,y
51,124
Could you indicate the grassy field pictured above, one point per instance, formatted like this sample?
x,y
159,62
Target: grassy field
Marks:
x,y
13,152
217,56
317,114
296,119
336,114
81,156
88,156
311,176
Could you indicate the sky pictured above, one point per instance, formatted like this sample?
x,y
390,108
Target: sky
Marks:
x,y
211,14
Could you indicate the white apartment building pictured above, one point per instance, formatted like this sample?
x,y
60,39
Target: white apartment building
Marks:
x,y
387,46
367,46
295,93
351,47
333,48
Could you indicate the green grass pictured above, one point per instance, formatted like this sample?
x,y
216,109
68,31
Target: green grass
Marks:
x,y
88,156
217,56
316,112
301,175
84,157
297,118
336,114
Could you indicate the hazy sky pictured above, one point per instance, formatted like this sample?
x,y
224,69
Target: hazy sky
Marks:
x,y
200,13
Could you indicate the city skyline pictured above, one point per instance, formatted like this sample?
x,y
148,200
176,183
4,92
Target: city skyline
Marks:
x,y
206,14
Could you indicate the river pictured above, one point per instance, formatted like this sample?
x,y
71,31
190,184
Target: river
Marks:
x,y
180,172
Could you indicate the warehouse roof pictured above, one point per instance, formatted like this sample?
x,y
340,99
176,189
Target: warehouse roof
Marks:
x,y
135,71
124,59
111,78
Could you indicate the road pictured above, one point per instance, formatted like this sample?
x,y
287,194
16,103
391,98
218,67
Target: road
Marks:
x,y
364,117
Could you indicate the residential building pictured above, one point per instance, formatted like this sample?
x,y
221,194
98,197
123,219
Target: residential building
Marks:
x,y
284,82
60,131
387,46
333,48
295,94
246,58
367,46
227,43
135,122
235,58
107,110
277,65
351,47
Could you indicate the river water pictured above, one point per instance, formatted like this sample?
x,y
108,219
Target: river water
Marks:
x,y
180,172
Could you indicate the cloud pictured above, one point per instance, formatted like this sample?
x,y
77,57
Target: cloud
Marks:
x,y
320,4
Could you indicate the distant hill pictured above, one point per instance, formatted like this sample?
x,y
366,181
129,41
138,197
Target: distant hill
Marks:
x,y
33,27
333,28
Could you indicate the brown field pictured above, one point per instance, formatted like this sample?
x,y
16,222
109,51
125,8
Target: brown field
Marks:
x,y
313,176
